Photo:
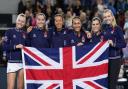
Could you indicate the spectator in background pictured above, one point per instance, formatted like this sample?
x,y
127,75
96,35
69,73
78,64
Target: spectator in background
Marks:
x,y
51,2
60,4
84,21
77,8
28,18
49,17
38,7
111,5
68,4
33,20
121,19
1,51
120,5
48,7
49,12
120,8
95,13
68,19
126,26
86,4
28,4
59,11
14,40
126,6
1,39
100,6
21,7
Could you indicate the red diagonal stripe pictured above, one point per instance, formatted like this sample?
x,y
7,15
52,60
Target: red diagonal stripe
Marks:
x,y
52,86
93,85
62,74
92,53
35,56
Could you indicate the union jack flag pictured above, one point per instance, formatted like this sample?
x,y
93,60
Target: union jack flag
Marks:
x,y
84,67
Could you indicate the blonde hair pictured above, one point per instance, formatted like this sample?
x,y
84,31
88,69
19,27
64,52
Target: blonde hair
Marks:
x,y
42,14
21,15
114,20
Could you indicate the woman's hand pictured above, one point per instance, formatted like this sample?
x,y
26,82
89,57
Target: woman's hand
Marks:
x,y
20,46
89,35
111,42
80,44
29,29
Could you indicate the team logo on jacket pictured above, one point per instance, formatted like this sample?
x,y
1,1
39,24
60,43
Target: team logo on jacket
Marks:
x,y
83,39
112,32
65,42
24,36
45,34
72,41
14,36
5,38
102,37
34,35
64,32
54,33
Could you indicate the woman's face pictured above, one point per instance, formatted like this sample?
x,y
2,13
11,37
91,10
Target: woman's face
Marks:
x,y
40,21
96,26
108,17
20,22
58,22
76,24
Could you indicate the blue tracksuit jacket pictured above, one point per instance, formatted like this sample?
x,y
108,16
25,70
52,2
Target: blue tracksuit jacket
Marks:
x,y
38,38
116,35
12,38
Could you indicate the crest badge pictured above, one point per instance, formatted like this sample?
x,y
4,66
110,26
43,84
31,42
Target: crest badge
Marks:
x,y
34,35
45,34
14,36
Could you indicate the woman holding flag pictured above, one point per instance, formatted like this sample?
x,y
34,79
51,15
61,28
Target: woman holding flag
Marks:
x,y
114,34
14,40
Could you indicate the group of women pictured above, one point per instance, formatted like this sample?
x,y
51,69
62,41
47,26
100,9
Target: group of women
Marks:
x,y
59,36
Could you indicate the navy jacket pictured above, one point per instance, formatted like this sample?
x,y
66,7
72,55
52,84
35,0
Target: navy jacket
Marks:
x,y
97,38
12,38
116,35
60,38
38,38
75,39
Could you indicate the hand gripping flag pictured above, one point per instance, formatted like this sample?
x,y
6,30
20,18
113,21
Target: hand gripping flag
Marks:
x,y
84,67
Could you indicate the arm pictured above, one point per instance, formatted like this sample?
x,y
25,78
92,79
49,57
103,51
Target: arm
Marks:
x,y
120,41
7,45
